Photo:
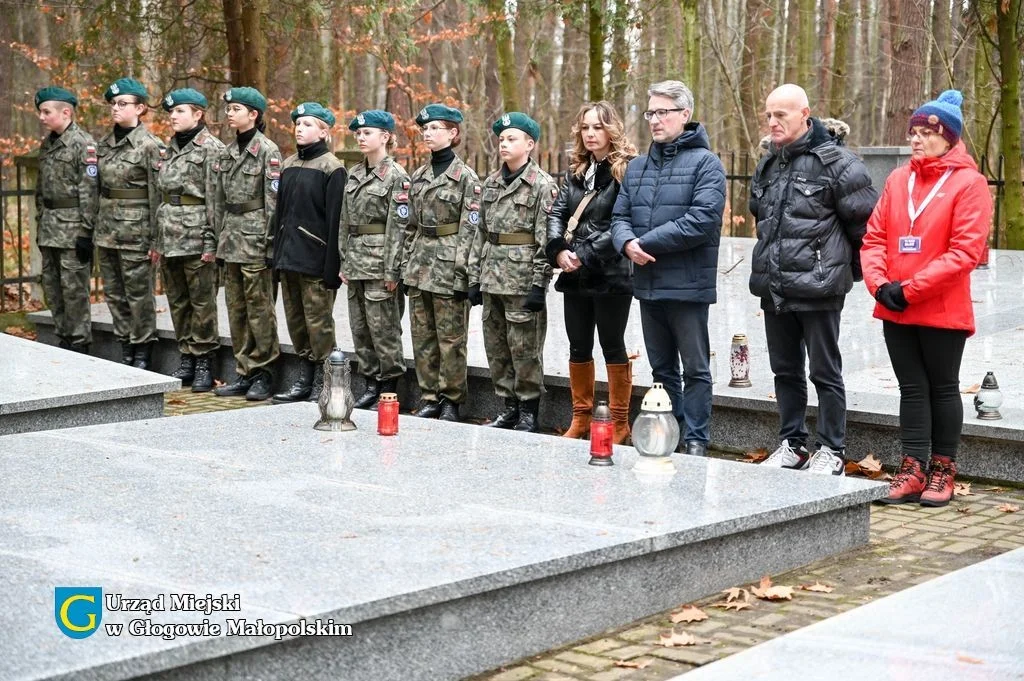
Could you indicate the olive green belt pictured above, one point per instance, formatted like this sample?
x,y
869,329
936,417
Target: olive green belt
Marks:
x,y
244,207
517,239
362,230
124,194
52,204
183,200
440,230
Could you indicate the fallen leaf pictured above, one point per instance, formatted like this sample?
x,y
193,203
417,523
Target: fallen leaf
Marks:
x,y
771,396
160,310
963,509
962,489
768,592
970,391
960,657
870,464
633,664
673,639
819,587
994,489
20,332
734,593
1008,508
689,614
176,402
733,605
756,456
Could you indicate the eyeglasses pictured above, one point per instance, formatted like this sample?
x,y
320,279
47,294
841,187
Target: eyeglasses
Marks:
x,y
923,135
122,103
433,128
234,108
659,113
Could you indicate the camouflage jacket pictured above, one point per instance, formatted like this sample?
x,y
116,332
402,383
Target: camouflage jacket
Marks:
x,y
67,173
374,198
186,177
246,179
514,212
129,165
451,201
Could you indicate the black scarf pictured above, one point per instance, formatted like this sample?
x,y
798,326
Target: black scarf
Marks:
x,y
183,138
441,159
311,151
245,137
508,176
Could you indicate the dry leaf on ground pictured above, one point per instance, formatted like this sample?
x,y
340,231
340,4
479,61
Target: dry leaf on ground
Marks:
x,y
756,456
871,467
734,593
766,591
994,489
1007,508
972,390
20,332
160,310
176,402
633,664
673,639
689,613
771,396
819,587
963,509
960,657
962,489
732,605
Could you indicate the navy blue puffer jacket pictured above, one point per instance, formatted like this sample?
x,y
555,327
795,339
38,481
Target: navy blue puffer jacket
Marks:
x,y
672,200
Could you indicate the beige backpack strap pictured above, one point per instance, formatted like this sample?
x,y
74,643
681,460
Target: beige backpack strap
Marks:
x,y
575,219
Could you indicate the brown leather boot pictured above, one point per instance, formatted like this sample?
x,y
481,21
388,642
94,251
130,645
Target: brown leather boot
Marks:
x,y
620,390
581,382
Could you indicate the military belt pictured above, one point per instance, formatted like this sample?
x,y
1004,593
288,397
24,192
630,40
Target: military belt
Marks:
x,y
52,204
440,230
244,207
518,239
109,193
362,230
183,200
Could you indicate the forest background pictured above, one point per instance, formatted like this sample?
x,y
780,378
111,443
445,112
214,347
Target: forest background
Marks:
x,y
868,62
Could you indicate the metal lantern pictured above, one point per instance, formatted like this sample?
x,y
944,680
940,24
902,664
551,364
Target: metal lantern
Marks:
x,y
989,399
656,431
336,399
739,362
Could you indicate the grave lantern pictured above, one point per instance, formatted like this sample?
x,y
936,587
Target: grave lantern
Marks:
x,y
602,431
989,399
655,431
739,362
387,414
336,399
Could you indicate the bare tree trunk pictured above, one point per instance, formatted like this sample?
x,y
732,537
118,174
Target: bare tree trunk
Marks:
x,y
828,62
1008,22
235,40
940,43
506,59
595,32
807,11
254,64
908,19
837,88
790,40
752,69
620,57
691,43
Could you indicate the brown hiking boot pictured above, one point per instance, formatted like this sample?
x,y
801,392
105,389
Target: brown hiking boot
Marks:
x,y
939,489
620,391
581,383
908,484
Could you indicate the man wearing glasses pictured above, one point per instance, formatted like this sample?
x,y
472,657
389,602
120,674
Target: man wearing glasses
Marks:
x,y
668,221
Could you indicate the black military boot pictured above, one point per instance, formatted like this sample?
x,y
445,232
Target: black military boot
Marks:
x,y
262,387
428,409
388,385
449,410
202,382
127,353
300,389
509,417
64,344
528,416
143,355
80,347
237,389
318,382
186,371
370,395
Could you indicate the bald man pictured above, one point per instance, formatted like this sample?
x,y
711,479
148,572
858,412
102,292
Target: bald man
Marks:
x,y
812,198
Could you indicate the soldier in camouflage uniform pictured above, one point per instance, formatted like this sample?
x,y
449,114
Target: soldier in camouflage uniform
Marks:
x,y
305,243
509,272
66,198
129,159
445,203
248,173
373,221
186,243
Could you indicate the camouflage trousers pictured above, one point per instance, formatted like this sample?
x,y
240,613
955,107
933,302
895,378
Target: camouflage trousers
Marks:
x,y
191,288
309,312
438,325
66,287
375,317
128,288
251,317
514,342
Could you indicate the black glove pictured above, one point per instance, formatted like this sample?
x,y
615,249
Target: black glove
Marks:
x,y
891,296
332,283
474,296
460,296
219,261
535,299
269,262
83,249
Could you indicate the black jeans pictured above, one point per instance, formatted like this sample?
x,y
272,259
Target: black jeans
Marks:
x,y
791,337
609,314
926,362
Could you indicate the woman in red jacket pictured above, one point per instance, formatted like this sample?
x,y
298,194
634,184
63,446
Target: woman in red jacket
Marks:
x,y
924,239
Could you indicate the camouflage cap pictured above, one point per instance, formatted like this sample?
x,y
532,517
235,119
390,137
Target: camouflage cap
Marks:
x,y
315,110
375,118
184,96
126,86
519,121
53,93
438,112
249,96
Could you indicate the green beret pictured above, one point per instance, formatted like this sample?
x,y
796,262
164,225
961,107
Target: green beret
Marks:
x,y
55,94
126,86
519,121
375,118
249,96
438,112
315,110
184,96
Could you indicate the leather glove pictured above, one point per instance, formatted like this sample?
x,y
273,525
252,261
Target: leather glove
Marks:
x,y
535,299
460,296
83,249
891,296
474,296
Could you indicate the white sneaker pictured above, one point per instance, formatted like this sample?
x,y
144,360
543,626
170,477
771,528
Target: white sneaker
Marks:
x,y
787,457
826,461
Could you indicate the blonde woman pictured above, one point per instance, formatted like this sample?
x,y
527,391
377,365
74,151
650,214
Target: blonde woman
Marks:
x,y
595,278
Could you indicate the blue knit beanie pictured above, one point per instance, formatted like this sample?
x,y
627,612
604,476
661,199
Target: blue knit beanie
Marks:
x,y
943,115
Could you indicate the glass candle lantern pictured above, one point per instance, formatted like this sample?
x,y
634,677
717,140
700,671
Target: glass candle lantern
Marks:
x,y
656,431
739,362
989,399
602,431
336,399
387,414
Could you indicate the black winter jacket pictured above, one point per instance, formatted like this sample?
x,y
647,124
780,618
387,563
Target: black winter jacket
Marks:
x,y
305,224
812,200
604,270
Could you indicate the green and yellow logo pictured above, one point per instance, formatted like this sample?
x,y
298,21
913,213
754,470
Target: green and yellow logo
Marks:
x,y
78,609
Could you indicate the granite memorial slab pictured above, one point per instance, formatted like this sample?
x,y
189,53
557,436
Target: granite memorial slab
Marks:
x,y
444,551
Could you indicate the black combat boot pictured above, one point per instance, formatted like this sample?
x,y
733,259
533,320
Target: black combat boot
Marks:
x,y
186,371
370,395
127,353
509,417
388,385
202,382
80,347
428,409
300,389
449,410
143,356
262,387
318,382
237,389
528,416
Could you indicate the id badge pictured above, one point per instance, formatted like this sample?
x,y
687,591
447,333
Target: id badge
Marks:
x,y
910,244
